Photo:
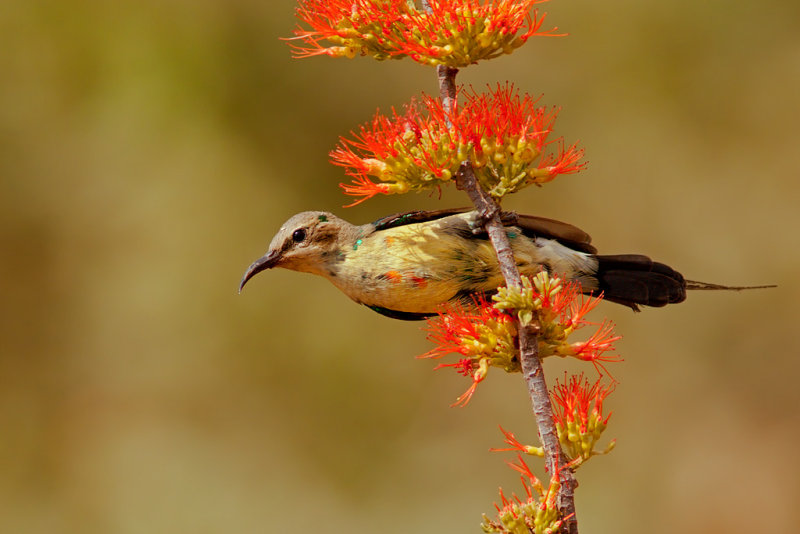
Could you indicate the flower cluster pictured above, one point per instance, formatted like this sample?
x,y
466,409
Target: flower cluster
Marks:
x,y
455,33
504,135
485,335
578,413
536,513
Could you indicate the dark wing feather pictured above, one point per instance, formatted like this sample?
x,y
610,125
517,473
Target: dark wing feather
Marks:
x,y
413,217
531,225
403,316
564,233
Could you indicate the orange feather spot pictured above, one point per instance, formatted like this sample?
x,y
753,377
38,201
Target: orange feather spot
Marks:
x,y
394,276
420,282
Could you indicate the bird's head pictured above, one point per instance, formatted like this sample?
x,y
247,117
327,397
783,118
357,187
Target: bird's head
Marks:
x,y
307,242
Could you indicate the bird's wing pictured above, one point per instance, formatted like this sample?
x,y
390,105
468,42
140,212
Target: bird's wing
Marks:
x,y
413,217
564,233
531,225
403,316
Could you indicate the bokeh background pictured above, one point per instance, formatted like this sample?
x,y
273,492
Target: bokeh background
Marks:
x,y
149,150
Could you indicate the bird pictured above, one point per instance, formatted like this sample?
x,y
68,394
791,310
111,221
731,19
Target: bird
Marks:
x,y
407,265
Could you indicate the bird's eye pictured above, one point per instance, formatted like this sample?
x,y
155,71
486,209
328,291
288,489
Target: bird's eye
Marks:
x,y
299,235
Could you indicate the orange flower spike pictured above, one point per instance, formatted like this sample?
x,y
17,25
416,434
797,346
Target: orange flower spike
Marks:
x,y
515,445
478,374
364,188
354,24
485,337
594,349
452,331
578,308
464,366
550,167
578,413
527,475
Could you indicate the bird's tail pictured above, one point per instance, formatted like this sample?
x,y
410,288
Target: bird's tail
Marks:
x,y
635,280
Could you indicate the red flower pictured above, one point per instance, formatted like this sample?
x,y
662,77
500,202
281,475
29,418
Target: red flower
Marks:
x,y
479,331
454,32
364,188
464,366
575,398
516,445
504,135
595,348
523,469
578,414
579,306
565,163
484,335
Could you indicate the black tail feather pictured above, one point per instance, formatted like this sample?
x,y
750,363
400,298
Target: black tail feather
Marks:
x,y
634,280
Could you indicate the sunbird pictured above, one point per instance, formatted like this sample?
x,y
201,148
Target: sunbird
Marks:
x,y
405,266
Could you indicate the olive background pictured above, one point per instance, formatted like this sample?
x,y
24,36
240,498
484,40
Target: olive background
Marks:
x,y
150,149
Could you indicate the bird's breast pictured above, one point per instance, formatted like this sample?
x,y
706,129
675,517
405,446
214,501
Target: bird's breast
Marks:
x,y
415,268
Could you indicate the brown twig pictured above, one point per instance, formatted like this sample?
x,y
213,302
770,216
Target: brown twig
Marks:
x,y
489,214
447,86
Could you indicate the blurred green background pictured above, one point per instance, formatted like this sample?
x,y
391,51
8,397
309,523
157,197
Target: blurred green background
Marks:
x,y
148,152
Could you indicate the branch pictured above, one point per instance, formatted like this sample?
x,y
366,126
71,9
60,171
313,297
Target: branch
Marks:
x,y
489,213
447,86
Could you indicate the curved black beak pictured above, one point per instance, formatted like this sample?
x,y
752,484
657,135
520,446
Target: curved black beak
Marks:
x,y
261,264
